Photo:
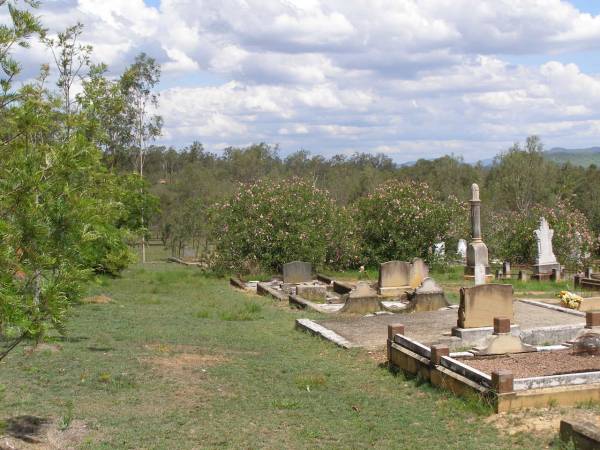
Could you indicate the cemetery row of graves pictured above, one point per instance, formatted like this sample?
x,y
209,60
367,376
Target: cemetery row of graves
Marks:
x,y
514,351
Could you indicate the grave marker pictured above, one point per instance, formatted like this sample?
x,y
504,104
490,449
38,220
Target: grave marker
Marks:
x,y
297,272
394,278
480,304
546,260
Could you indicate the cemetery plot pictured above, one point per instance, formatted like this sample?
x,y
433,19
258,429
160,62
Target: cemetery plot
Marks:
x,y
401,287
536,324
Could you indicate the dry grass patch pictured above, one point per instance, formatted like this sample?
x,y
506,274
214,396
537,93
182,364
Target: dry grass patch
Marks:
x,y
540,422
97,299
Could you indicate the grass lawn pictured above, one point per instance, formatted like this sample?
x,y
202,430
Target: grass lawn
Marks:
x,y
181,360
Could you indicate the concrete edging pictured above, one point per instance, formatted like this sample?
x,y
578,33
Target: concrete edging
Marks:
x,y
318,330
553,307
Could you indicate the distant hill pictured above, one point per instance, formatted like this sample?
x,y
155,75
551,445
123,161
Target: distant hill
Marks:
x,y
576,156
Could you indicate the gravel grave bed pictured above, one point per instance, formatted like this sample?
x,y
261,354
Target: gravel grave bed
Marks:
x,y
536,364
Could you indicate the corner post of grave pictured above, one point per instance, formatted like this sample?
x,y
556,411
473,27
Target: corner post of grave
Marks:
x,y
393,329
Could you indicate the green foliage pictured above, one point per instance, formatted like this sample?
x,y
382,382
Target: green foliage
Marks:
x,y
402,220
511,234
268,223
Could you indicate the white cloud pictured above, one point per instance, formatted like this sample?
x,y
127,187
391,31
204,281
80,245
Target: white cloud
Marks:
x,y
409,78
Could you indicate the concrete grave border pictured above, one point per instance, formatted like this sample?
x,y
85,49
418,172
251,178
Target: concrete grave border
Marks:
x,y
505,393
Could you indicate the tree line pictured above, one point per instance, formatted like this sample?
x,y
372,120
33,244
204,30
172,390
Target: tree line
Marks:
x,y
518,181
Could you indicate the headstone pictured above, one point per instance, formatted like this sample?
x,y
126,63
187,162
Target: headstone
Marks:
x,y
312,292
506,269
479,275
588,272
546,260
523,276
498,274
427,297
362,300
462,248
394,278
297,272
189,253
477,252
439,249
418,272
480,304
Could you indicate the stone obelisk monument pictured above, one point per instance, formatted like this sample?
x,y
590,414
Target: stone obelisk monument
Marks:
x,y
477,252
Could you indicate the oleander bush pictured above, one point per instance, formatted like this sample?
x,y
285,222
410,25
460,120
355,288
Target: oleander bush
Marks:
x,y
511,234
403,220
267,223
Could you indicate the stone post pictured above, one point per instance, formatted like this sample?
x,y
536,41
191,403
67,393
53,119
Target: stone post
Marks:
x,y
475,214
502,381
437,351
393,329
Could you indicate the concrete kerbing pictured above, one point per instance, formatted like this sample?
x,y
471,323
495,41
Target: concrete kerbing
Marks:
x,y
554,307
324,278
584,435
466,371
236,282
318,330
264,289
568,379
554,333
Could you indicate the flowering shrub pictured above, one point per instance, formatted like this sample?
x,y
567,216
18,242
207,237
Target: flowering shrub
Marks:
x,y
402,220
511,234
569,300
269,223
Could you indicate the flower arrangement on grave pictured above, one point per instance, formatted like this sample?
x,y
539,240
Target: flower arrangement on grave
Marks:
x,y
569,299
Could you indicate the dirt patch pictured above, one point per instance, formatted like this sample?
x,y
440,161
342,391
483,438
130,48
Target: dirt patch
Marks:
x,y
535,364
35,433
97,299
541,422
42,347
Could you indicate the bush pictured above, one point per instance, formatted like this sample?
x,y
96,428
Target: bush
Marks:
x,y
267,224
512,236
402,220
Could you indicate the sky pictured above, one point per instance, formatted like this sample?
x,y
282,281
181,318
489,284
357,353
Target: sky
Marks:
x,y
408,78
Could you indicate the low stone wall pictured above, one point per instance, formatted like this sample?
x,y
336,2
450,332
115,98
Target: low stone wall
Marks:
x,y
436,365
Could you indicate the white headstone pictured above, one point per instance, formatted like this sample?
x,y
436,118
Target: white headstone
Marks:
x,y
479,274
439,249
544,235
462,248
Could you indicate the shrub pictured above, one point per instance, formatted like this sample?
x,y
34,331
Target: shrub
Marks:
x,y
266,224
402,220
511,234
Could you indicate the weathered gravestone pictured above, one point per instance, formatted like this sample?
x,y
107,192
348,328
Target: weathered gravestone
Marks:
x,y
312,292
297,272
462,248
477,252
546,260
394,278
480,304
189,253
427,297
418,272
506,269
479,274
361,300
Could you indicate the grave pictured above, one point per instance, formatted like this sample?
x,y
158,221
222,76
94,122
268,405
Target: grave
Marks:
x,y
563,374
362,300
461,249
394,278
546,260
427,297
297,272
480,304
477,252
